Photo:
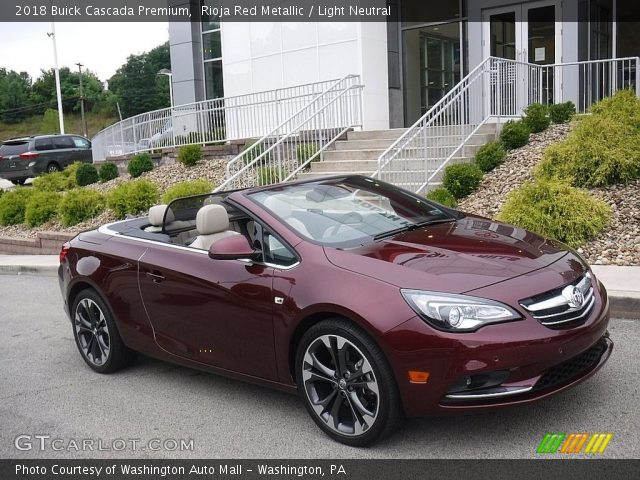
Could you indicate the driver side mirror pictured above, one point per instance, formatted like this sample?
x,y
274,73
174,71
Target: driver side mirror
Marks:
x,y
235,247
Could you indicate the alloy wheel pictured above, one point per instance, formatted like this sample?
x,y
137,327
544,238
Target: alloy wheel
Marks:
x,y
92,332
53,168
341,385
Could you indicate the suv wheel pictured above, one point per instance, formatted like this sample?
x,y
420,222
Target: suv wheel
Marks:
x,y
346,383
53,167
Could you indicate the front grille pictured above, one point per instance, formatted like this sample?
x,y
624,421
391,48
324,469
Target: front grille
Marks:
x,y
564,307
571,368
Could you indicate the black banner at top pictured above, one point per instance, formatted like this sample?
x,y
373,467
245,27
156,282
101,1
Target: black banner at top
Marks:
x,y
406,11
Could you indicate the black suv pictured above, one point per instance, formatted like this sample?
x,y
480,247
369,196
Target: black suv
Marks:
x,y
23,158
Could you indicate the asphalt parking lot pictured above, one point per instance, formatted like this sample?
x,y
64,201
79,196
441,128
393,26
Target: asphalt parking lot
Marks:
x,y
46,389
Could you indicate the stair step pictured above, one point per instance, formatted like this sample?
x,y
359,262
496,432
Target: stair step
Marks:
x,y
403,165
435,141
392,134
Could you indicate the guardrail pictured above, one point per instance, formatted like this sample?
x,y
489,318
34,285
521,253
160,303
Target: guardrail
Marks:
x,y
497,89
210,121
299,140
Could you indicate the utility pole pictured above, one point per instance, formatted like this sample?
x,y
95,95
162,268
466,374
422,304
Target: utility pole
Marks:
x,y
84,120
57,72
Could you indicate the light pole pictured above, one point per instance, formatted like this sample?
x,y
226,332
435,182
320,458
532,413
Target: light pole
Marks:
x,y
166,72
84,120
57,73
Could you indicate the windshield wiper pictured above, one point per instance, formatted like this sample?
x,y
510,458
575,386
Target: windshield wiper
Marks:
x,y
414,226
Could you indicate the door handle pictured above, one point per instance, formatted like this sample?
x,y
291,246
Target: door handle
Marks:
x,y
155,277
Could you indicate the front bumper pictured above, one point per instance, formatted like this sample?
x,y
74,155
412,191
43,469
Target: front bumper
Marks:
x,y
539,361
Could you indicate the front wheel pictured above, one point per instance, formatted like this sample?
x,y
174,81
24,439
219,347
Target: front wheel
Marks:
x,y
53,167
346,384
97,336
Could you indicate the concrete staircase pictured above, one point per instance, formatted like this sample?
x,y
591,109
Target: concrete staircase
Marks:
x,y
359,152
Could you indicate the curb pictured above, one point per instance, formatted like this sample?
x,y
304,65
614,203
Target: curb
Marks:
x,y
44,271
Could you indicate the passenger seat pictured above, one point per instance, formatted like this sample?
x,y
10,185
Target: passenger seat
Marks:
x,y
212,224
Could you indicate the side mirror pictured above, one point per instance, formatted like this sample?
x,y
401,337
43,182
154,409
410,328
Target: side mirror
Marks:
x,y
235,247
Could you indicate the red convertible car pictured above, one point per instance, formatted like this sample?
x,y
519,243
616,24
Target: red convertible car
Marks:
x,y
372,302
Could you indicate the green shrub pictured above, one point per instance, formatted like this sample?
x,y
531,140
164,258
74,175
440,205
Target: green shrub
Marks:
x,y
54,182
461,179
601,150
443,197
140,164
536,117
562,112
490,156
305,151
70,172
268,175
624,106
42,206
13,205
86,175
186,189
133,197
514,134
189,155
108,171
554,209
79,205
253,152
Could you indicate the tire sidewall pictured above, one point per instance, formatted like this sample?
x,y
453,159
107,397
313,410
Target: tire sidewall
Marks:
x,y
380,368
91,295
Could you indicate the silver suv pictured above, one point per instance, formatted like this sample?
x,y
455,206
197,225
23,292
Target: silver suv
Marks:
x,y
23,158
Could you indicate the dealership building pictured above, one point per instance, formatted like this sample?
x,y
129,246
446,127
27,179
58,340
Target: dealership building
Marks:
x,y
406,66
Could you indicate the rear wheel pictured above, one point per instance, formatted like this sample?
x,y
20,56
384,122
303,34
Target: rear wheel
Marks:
x,y
97,336
53,167
20,181
346,384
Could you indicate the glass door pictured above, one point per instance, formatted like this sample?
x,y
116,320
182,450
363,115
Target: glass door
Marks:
x,y
529,34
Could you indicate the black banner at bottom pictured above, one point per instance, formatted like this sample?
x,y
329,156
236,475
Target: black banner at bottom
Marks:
x,y
338,469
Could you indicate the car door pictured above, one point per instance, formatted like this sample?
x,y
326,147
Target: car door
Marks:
x,y
217,312
65,151
82,149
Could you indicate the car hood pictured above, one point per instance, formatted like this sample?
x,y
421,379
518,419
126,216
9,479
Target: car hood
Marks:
x,y
455,257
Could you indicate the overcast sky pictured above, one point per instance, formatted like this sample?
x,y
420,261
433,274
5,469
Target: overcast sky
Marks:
x,y
101,47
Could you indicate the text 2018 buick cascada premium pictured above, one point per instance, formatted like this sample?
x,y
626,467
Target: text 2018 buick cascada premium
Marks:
x,y
372,302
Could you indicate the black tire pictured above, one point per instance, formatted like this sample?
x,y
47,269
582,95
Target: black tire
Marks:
x,y
20,181
385,404
92,319
53,167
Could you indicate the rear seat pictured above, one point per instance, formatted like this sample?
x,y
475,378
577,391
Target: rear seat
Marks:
x,y
156,219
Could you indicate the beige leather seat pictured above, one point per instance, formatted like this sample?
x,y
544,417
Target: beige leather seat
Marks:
x,y
212,224
156,218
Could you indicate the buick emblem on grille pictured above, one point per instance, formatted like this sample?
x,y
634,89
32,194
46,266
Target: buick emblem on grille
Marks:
x,y
574,296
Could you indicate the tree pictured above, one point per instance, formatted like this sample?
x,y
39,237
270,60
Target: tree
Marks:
x,y
14,89
136,84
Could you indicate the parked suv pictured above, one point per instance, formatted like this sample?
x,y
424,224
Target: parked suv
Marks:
x,y
23,158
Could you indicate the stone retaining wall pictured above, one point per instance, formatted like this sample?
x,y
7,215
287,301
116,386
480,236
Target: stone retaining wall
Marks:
x,y
45,243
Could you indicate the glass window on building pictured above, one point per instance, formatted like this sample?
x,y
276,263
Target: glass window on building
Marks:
x,y
212,55
432,66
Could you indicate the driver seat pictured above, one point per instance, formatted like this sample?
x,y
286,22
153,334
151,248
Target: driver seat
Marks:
x,y
212,224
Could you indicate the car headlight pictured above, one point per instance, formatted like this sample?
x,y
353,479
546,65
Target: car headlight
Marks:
x,y
457,313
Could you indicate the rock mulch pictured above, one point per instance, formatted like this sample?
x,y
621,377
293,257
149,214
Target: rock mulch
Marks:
x,y
619,244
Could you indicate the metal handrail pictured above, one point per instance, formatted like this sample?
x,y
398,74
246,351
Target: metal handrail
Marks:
x,y
209,121
313,128
497,89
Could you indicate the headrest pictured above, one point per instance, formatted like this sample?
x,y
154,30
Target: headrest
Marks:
x,y
156,215
212,219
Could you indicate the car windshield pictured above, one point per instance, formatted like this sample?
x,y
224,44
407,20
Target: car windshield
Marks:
x,y
348,212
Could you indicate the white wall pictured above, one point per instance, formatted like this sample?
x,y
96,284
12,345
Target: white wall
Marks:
x,y
263,56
